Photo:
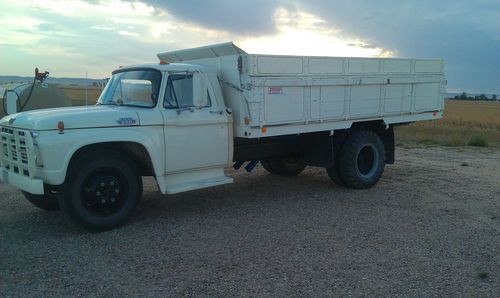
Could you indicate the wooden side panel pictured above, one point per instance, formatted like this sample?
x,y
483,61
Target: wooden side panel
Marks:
x,y
332,101
284,104
397,98
397,66
326,65
279,65
426,96
428,66
364,66
365,100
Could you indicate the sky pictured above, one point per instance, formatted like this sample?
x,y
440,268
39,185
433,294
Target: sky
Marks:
x,y
70,38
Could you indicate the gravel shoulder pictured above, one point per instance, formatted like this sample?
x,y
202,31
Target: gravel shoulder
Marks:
x,y
430,227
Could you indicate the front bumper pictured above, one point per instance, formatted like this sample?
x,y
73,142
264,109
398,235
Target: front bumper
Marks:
x,y
33,186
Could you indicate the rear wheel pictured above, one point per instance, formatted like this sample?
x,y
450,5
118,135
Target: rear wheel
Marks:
x,y
266,164
48,201
102,191
362,160
285,166
333,173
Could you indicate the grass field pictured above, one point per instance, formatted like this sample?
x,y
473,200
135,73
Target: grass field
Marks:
x,y
464,123
77,94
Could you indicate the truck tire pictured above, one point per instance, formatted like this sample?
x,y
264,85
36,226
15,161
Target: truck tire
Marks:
x,y
361,160
47,202
266,164
333,173
284,166
101,191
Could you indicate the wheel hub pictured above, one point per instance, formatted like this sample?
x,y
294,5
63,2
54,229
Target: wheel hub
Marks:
x,y
103,194
367,160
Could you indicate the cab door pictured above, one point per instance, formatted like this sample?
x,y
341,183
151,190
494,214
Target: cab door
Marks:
x,y
195,127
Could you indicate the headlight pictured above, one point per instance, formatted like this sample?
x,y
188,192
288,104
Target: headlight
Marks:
x,y
38,157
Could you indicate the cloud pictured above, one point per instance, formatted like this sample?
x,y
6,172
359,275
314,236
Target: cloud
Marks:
x,y
128,33
47,27
300,33
242,17
75,36
465,34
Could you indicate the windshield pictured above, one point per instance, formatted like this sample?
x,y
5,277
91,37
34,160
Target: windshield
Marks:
x,y
138,88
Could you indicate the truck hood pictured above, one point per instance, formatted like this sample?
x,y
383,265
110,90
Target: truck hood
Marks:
x,y
73,117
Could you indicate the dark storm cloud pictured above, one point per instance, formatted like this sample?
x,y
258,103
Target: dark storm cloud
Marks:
x,y
464,33
243,17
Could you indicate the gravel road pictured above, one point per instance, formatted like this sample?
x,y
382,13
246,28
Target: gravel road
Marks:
x,y
431,227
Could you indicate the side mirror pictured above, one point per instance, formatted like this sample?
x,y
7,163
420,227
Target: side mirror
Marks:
x,y
10,102
200,94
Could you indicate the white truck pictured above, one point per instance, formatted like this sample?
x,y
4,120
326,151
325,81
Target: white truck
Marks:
x,y
186,118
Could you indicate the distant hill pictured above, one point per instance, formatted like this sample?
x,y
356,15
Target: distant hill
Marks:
x,y
51,80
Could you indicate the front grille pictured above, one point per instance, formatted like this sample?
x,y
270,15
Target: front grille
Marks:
x,y
16,151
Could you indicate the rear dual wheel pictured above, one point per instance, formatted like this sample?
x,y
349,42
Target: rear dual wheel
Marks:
x,y
360,162
285,166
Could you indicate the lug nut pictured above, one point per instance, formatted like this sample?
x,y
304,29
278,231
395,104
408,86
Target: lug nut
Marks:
x,y
117,190
112,183
98,193
103,201
112,199
102,184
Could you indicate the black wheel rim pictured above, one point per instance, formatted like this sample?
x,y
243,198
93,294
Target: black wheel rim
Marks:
x,y
367,161
104,191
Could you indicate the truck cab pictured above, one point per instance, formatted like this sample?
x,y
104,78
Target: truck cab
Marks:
x,y
163,120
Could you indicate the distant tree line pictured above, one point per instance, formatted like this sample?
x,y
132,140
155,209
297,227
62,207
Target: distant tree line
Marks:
x,y
464,96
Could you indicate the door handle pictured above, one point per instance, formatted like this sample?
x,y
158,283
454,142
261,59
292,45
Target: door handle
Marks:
x,y
190,109
217,112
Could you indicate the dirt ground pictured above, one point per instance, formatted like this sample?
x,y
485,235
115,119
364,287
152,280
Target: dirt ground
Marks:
x,y
431,227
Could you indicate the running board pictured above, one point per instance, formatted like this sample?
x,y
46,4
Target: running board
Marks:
x,y
192,180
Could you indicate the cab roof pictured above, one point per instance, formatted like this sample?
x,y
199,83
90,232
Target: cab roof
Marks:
x,y
210,51
169,67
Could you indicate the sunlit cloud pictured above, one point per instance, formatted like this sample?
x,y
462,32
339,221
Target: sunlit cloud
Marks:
x,y
300,33
128,33
99,36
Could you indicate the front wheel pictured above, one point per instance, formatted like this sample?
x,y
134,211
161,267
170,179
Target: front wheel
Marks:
x,y
102,191
361,160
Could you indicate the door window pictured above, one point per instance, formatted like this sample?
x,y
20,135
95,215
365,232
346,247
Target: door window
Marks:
x,y
179,93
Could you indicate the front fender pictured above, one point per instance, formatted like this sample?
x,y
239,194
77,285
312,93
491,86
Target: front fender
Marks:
x,y
56,149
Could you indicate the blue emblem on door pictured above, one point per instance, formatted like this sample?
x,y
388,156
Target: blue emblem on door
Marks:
x,y
126,121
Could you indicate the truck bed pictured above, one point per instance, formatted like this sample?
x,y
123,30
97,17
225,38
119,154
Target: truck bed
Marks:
x,y
278,95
